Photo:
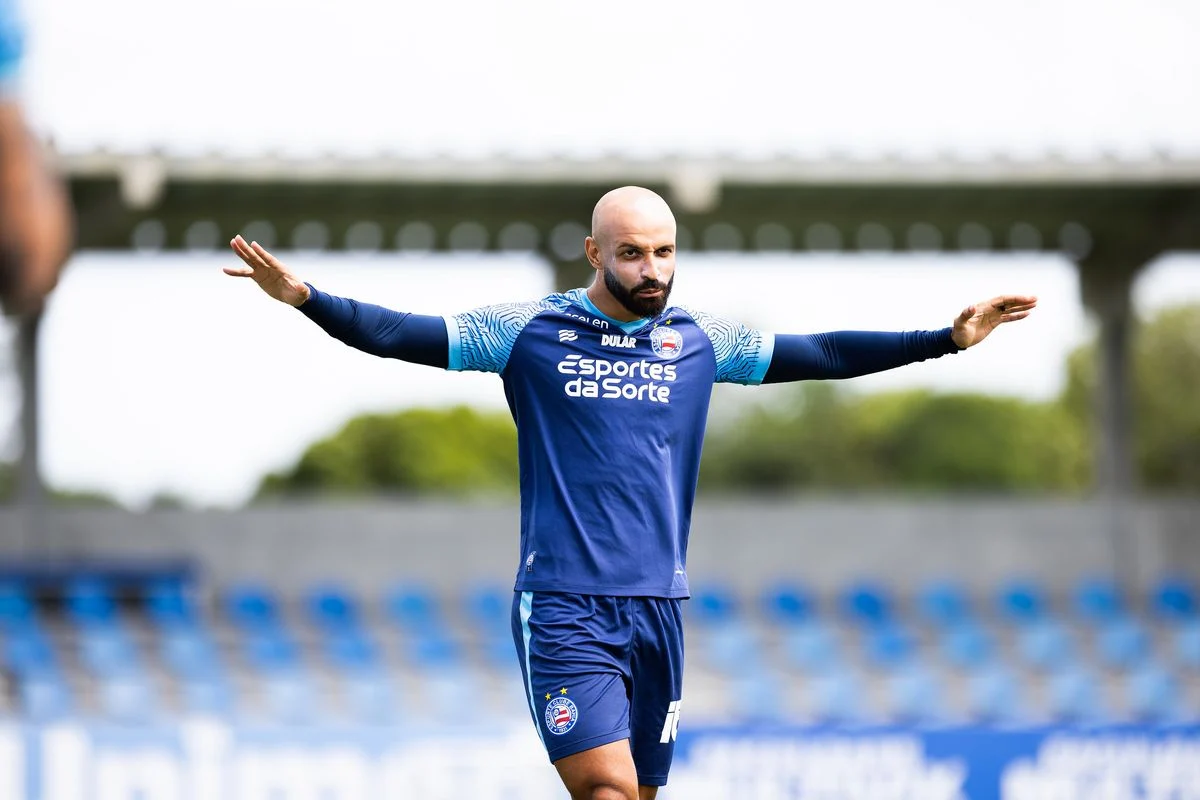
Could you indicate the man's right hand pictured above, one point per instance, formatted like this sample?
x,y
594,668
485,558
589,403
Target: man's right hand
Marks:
x,y
268,272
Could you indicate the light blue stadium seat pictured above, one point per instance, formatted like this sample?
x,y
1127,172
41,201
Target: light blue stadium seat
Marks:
x,y
413,606
714,604
289,697
994,695
812,647
889,644
127,697
1099,600
1022,602
1045,644
252,607
756,696
28,652
498,650
16,607
944,604
914,696
270,651
488,607
44,695
837,697
330,608
1154,695
107,650
169,603
207,693
1122,643
1174,599
189,651
433,649
1073,696
866,603
966,645
352,650
1186,643
370,696
89,602
788,603
730,648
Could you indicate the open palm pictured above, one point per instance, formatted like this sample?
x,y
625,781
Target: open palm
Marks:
x,y
268,272
976,321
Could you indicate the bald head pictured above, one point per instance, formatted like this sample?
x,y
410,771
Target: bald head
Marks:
x,y
630,208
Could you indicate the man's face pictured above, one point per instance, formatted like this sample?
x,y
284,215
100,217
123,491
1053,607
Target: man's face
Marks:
x,y
647,297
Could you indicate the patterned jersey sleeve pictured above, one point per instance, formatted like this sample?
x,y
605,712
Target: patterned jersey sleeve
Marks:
x,y
482,340
743,354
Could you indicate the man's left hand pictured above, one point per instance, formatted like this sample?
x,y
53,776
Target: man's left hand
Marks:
x,y
975,322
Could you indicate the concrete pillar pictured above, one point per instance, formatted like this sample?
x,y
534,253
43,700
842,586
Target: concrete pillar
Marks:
x,y
31,494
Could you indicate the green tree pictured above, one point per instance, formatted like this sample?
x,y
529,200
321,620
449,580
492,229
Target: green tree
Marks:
x,y
456,451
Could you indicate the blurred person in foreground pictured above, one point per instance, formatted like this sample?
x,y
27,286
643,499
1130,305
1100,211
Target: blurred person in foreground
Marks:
x,y
35,216
609,386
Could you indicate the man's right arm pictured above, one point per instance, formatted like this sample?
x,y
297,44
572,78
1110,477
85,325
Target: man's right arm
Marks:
x,y
380,331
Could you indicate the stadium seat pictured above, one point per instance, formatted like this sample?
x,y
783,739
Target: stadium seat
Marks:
x,y
888,645
353,650
1174,599
1022,602
712,605
756,696
207,693
836,697
944,604
994,696
28,652
498,650
914,696
1122,643
370,696
16,608
866,603
1186,643
966,645
413,606
488,607
1153,695
331,608
289,697
730,648
1073,696
168,603
812,647
252,607
189,651
89,602
1099,600
44,695
1045,644
432,649
270,651
788,604
107,651
127,697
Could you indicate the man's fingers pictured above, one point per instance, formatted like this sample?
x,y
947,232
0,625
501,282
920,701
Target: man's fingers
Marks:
x,y
1014,317
238,272
967,313
267,258
244,252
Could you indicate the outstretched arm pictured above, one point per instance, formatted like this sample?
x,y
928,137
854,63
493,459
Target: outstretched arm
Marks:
x,y
370,328
847,354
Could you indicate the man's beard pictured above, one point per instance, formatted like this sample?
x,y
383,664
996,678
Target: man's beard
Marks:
x,y
633,302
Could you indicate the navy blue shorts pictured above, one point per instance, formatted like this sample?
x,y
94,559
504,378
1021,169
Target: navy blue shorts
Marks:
x,y
601,669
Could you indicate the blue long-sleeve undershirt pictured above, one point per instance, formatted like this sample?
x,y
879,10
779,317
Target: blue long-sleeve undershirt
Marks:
x,y
423,340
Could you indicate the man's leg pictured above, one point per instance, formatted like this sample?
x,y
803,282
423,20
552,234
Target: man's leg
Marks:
x,y
603,773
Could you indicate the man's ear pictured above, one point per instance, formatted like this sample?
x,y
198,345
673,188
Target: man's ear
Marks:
x,y
591,249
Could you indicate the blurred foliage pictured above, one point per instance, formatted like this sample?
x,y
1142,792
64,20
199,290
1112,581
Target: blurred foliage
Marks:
x,y
456,451
57,497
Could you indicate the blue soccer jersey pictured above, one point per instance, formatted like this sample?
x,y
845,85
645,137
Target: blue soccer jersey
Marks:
x,y
11,36
610,419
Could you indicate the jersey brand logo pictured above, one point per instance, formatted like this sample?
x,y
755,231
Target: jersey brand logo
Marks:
x,y
611,340
671,726
617,380
666,342
567,336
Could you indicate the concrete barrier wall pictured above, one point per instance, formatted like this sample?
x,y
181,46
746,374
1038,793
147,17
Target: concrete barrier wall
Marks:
x,y
824,542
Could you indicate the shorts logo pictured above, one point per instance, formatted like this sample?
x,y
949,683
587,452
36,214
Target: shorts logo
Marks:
x,y
561,715
666,342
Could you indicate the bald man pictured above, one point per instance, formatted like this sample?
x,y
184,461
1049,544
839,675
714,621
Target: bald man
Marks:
x,y
609,387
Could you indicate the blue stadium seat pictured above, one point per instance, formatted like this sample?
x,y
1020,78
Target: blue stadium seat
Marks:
x,y
812,647
370,697
914,696
1022,602
289,697
944,604
207,693
1045,644
890,644
730,648
169,603
89,602
1121,643
1099,600
107,651
44,695
270,651
189,651
127,697
252,607
489,607
866,603
788,603
1186,642
352,650
433,650
331,608
28,652
498,650
1073,696
1174,599
756,696
413,606
16,608
994,696
966,645
712,605
837,697
1154,695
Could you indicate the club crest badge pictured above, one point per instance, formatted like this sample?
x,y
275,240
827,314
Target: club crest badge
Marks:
x,y
561,715
666,342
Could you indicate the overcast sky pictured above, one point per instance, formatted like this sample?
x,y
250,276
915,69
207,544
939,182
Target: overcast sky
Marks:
x,y
161,374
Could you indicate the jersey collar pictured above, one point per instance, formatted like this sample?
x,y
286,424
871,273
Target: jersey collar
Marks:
x,y
580,297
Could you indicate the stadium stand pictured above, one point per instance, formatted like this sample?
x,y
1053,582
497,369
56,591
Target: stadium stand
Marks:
x,y
131,650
